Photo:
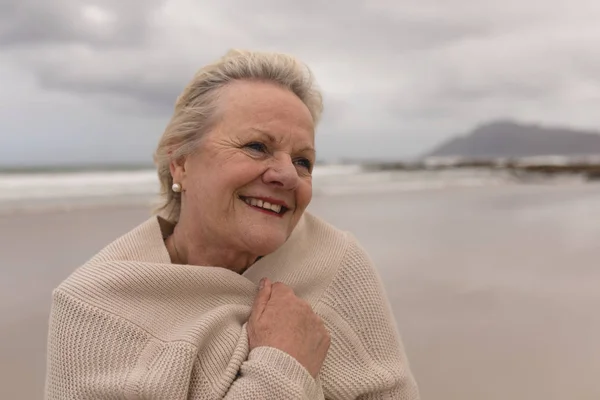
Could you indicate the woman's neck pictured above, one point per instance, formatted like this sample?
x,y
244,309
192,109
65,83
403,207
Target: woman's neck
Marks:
x,y
182,250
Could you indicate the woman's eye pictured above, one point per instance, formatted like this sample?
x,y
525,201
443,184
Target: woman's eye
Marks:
x,y
304,163
257,146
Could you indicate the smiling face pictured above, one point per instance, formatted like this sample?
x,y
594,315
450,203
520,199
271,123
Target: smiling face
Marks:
x,y
249,182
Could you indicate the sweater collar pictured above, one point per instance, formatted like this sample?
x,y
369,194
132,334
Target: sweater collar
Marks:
x,y
146,244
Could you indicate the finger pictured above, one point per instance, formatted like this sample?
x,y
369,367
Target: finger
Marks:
x,y
281,289
262,298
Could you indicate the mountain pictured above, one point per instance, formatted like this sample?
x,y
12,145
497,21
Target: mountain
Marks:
x,y
504,139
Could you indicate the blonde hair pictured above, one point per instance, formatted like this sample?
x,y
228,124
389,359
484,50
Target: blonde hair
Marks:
x,y
195,109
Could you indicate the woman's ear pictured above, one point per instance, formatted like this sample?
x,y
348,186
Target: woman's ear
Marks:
x,y
177,168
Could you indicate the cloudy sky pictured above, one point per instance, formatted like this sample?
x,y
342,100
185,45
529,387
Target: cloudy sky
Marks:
x,y
96,80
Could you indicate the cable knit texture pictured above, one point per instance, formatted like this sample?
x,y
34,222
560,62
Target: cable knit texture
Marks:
x,y
130,325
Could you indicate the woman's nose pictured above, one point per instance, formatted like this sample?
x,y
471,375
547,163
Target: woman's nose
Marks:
x,y
282,172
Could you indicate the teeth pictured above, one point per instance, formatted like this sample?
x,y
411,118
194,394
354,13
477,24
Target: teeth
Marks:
x,y
264,204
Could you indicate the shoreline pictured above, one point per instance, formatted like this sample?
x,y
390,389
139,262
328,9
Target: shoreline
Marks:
x,y
81,202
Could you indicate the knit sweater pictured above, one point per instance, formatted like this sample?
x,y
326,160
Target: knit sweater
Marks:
x,y
129,324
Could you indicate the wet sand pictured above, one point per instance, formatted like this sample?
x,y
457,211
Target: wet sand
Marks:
x,y
495,290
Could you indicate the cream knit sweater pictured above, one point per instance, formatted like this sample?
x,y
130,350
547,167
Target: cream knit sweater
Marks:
x,y
130,325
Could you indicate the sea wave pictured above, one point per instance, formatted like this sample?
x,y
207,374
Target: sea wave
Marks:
x,y
27,191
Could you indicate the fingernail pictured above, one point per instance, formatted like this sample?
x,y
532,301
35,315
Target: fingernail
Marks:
x,y
262,283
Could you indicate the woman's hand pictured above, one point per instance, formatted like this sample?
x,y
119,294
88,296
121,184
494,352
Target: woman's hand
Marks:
x,y
281,320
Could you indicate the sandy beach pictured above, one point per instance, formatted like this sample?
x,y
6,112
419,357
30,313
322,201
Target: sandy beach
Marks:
x,y
494,289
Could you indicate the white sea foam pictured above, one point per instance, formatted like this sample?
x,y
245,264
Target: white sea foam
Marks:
x,y
85,184
48,190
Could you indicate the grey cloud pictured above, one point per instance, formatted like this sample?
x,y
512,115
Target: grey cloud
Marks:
x,y
336,30
503,74
150,95
342,26
34,23
152,86
388,68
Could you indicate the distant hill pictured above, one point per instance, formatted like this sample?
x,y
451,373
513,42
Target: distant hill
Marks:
x,y
503,139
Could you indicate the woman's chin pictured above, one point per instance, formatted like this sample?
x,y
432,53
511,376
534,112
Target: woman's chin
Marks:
x,y
266,243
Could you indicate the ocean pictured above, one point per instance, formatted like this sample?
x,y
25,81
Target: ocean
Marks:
x,y
67,190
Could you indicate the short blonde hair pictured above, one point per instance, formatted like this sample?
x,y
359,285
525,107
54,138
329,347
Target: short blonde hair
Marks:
x,y
195,108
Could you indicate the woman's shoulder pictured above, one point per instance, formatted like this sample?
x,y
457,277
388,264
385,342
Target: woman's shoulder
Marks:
x,y
320,229
357,312
312,257
141,245
338,248
355,282
329,236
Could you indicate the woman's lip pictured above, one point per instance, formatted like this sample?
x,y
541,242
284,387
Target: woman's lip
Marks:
x,y
284,210
268,212
269,200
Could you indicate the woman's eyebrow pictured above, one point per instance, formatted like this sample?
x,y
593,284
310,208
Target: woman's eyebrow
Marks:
x,y
272,139
308,149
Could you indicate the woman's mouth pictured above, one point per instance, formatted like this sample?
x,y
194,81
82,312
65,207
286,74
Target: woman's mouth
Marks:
x,y
265,206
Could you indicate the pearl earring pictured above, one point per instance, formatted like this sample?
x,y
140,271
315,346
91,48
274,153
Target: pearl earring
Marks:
x,y
176,187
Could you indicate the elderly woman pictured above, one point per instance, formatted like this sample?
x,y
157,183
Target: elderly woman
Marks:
x,y
232,290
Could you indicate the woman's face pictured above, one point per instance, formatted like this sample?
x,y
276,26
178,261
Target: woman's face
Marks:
x,y
250,180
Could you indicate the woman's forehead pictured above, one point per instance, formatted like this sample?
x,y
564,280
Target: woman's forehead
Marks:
x,y
264,102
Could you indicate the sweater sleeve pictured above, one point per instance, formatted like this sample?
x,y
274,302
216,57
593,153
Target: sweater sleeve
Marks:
x,y
366,359
271,374
93,354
